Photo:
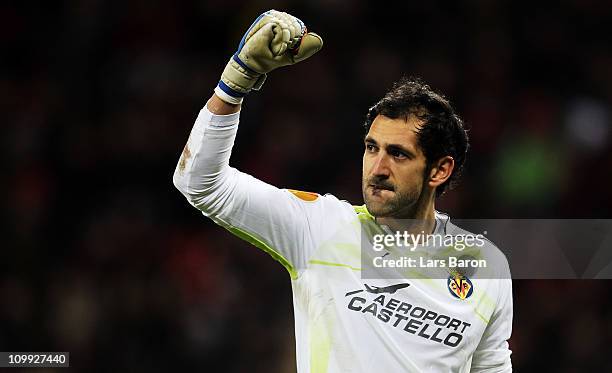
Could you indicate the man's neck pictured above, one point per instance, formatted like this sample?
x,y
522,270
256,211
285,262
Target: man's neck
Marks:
x,y
422,221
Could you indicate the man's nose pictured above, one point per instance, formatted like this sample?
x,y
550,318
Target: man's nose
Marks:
x,y
381,165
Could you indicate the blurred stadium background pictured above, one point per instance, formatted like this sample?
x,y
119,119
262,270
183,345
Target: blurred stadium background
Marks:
x,y
102,257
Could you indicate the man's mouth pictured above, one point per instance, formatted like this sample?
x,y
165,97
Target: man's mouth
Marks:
x,y
376,188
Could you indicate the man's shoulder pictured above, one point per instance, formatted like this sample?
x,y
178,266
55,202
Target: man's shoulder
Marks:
x,y
480,248
325,206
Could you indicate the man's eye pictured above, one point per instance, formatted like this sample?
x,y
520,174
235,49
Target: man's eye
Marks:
x,y
370,147
398,154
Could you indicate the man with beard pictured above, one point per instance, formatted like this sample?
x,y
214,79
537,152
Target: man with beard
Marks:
x,y
415,148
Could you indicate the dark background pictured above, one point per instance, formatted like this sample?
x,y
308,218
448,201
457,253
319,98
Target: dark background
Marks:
x,y
102,257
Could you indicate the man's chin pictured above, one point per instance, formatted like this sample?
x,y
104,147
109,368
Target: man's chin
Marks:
x,y
378,209
390,204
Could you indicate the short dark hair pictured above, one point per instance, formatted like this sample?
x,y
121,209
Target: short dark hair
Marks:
x,y
442,132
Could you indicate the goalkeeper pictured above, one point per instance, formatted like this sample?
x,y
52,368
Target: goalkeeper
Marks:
x,y
414,149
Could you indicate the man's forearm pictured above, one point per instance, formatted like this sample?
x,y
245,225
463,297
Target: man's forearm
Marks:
x,y
203,168
220,107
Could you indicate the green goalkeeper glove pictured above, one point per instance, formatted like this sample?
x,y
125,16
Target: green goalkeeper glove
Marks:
x,y
275,39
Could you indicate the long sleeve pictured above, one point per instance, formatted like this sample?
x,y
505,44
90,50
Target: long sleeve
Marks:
x,y
287,225
493,353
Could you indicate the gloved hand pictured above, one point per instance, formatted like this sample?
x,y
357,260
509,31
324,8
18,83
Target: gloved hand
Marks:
x,y
275,39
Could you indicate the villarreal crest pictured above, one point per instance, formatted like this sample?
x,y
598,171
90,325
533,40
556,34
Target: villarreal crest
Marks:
x,y
460,286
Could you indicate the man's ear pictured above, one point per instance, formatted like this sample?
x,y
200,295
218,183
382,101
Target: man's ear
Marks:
x,y
440,171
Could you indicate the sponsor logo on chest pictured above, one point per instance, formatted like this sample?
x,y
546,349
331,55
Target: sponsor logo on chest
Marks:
x,y
386,307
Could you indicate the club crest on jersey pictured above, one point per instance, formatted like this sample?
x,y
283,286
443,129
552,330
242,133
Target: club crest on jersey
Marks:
x,y
460,286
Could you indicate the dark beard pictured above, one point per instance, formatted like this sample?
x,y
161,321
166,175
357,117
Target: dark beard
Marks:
x,y
402,205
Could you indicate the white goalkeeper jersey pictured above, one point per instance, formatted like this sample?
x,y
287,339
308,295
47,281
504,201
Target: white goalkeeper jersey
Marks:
x,y
345,322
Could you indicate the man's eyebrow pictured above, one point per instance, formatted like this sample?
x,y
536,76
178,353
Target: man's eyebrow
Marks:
x,y
402,149
397,147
